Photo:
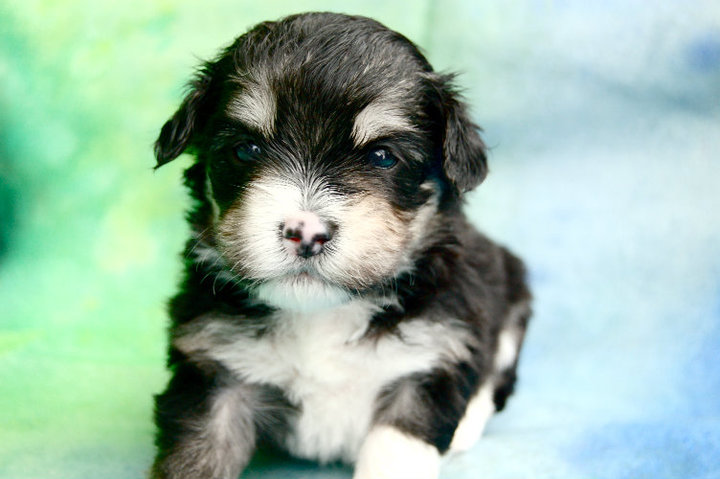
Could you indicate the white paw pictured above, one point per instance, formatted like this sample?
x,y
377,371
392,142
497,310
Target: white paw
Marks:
x,y
480,408
388,453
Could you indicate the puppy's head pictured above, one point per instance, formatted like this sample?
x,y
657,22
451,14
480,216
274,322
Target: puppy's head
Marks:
x,y
327,151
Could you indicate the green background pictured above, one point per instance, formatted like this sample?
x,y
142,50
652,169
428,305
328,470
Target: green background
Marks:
x,y
603,120
91,235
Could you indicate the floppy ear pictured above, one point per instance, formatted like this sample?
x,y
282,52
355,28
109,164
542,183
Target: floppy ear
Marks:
x,y
177,133
464,161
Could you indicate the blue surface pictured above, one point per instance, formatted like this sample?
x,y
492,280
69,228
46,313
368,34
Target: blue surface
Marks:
x,y
604,123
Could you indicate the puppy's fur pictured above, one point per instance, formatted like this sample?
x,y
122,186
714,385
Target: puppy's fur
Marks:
x,y
336,303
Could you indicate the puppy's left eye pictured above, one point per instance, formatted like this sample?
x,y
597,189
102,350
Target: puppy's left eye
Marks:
x,y
247,151
382,158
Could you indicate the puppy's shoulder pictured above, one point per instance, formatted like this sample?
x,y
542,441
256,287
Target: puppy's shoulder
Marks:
x,y
498,270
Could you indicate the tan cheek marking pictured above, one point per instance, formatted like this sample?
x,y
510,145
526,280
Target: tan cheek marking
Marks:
x,y
370,242
422,224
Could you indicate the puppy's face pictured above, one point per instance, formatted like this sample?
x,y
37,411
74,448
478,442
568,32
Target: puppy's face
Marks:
x,y
327,154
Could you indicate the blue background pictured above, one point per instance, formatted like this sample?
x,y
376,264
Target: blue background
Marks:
x,y
603,120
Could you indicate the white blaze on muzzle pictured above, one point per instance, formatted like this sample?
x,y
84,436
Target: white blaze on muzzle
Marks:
x,y
306,238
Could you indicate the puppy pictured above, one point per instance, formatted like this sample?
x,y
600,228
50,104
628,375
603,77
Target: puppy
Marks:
x,y
336,303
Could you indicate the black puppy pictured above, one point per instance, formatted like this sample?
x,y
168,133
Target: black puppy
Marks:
x,y
336,302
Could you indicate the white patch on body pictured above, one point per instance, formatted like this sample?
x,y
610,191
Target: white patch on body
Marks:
x,y
391,454
255,105
507,351
301,293
510,338
479,410
323,366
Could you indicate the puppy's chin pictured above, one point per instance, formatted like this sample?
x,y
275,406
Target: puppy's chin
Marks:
x,y
301,292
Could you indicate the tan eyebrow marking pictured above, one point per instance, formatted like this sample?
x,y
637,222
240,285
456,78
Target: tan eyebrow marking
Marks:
x,y
255,106
378,119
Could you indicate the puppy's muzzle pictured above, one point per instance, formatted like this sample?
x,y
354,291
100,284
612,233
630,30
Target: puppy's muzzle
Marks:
x,y
305,234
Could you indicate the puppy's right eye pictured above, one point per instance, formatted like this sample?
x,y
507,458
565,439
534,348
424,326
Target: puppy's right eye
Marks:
x,y
247,151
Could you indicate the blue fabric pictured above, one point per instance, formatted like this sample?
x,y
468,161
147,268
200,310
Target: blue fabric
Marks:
x,y
603,120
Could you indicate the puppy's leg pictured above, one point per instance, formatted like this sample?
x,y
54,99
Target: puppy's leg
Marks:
x,y
205,427
513,329
389,453
479,410
414,425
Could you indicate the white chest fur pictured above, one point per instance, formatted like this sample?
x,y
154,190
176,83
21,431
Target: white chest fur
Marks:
x,y
325,366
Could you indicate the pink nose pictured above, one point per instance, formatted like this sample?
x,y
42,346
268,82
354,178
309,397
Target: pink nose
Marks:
x,y
305,234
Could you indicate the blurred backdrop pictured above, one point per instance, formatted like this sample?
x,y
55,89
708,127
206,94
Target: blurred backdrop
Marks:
x,y
604,124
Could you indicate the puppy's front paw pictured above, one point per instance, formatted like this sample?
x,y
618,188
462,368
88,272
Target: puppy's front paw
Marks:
x,y
388,453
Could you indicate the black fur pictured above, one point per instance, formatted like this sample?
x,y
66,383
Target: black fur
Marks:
x,y
462,276
323,69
